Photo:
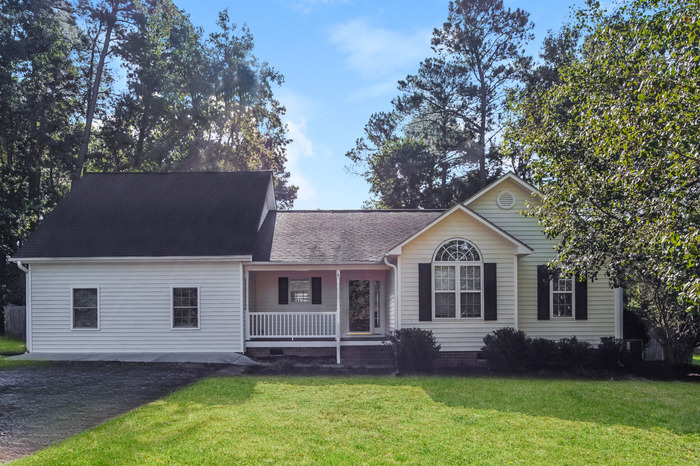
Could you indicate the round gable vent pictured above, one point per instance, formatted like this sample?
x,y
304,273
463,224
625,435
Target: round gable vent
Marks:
x,y
506,200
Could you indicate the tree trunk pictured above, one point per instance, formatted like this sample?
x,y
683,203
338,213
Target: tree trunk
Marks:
x,y
93,99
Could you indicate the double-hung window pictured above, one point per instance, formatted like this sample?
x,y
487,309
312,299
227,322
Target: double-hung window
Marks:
x,y
299,291
186,307
562,296
85,304
457,282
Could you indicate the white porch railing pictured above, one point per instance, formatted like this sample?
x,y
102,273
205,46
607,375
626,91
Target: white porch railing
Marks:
x,y
292,324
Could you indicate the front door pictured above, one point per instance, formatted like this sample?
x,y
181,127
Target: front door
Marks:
x,y
364,312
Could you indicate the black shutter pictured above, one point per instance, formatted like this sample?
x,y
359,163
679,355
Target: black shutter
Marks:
x,y
543,278
283,290
425,300
490,298
581,299
315,290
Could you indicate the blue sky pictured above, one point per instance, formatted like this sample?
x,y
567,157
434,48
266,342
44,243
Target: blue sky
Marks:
x,y
341,60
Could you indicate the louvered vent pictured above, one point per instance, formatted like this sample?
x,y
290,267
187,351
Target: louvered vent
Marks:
x,y
506,200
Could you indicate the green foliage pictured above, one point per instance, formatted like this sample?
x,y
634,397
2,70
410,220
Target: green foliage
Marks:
x,y
437,146
614,143
190,103
413,350
512,351
611,353
677,331
507,350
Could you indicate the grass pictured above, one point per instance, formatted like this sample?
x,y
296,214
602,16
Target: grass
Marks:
x,y
9,346
696,359
340,420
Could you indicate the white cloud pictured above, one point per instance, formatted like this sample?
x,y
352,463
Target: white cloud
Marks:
x,y
301,146
377,53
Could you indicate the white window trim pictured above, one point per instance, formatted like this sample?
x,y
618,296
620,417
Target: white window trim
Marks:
x,y
457,291
72,309
382,297
172,308
573,301
289,292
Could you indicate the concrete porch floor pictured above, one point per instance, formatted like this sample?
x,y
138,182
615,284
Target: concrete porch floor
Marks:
x,y
236,359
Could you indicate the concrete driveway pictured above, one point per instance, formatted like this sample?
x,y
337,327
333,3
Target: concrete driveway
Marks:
x,y
40,405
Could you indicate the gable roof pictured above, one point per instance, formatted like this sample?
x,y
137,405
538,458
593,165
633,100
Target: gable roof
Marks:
x,y
508,176
193,214
335,236
520,247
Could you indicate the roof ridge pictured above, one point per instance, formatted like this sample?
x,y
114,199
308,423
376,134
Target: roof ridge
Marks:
x,y
301,211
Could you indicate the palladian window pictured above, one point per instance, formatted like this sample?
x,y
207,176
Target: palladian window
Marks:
x,y
457,282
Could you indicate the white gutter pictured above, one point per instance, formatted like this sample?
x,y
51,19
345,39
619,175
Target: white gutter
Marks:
x,y
396,291
137,259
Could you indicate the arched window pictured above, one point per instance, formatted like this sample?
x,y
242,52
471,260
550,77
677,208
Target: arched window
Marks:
x,y
457,282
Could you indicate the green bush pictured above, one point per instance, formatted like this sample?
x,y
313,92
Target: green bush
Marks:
x,y
575,352
413,350
545,353
508,350
611,353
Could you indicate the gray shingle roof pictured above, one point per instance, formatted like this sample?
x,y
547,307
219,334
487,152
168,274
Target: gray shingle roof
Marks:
x,y
337,235
153,215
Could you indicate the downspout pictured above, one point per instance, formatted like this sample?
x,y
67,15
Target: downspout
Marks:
x,y
22,267
28,304
396,291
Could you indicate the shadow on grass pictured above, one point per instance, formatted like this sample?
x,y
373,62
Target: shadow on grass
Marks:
x,y
642,404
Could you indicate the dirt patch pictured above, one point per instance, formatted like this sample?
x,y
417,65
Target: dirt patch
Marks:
x,y
45,404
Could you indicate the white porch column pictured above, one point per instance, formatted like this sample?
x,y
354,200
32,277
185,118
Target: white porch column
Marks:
x,y
246,324
515,292
337,316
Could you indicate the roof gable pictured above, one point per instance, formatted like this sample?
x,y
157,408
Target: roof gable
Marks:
x,y
520,247
510,176
194,214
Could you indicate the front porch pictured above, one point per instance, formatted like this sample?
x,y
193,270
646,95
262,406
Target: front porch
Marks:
x,y
314,310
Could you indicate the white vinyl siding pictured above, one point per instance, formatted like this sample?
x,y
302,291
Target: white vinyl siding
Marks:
x,y
135,307
458,334
601,298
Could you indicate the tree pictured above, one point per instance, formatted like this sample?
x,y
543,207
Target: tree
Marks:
x,y
484,41
448,112
39,100
616,148
677,331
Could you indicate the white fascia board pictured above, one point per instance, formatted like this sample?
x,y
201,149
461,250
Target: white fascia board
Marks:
x,y
508,176
34,260
305,266
521,249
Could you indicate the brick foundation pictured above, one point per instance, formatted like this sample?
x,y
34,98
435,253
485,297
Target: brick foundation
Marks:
x,y
458,358
374,355
326,352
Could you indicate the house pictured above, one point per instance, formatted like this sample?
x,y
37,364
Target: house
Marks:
x,y
204,262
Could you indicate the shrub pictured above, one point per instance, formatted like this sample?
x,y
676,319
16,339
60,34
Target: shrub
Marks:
x,y
507,349
413,350
575,352
545,353
611,353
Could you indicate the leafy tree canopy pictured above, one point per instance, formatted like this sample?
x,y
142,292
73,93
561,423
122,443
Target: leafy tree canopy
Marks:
x,y
615,146
438,145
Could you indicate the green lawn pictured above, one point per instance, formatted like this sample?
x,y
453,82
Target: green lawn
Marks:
x,y
9,346
696,359
435,420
